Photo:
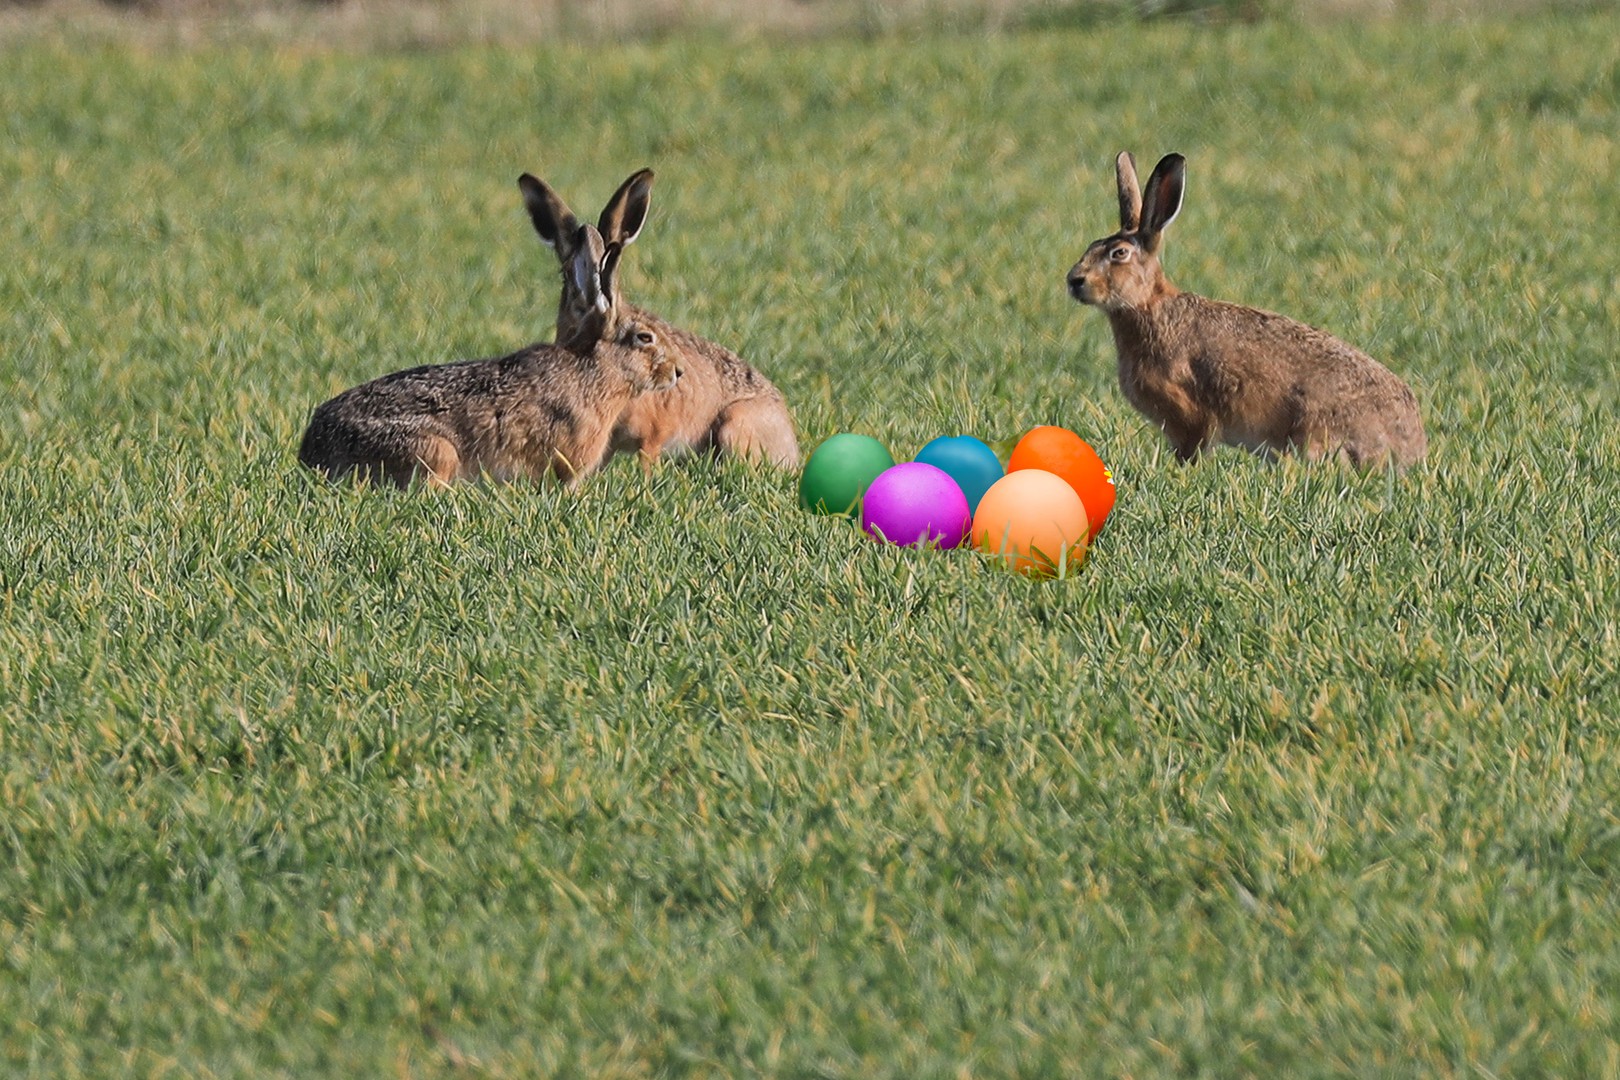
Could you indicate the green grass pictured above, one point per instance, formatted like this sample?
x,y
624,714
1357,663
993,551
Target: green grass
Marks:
x,y
1308,773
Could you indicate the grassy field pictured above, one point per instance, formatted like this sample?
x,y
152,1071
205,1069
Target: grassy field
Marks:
x,y
1308,773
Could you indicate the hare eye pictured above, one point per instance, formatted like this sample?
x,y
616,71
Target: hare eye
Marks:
x,y
644,338
1120,254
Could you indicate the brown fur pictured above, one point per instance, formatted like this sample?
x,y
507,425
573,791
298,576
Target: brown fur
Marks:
x,y
722,404
541,409
1211,372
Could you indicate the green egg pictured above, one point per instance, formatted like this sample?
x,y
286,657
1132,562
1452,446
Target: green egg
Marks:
x,y
839,471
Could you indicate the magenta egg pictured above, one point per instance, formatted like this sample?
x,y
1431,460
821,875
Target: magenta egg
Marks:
x,y
915,503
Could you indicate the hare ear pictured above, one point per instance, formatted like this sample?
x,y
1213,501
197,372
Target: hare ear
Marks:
x,y
1161,201
1130,192
609,273
585,268
552,219
625,213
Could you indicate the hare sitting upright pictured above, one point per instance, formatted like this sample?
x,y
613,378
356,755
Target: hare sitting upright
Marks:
x,y
721,405
1208,372
541,409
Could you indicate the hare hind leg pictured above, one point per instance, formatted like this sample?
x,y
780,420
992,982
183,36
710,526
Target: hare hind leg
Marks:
x,y
1348,441
433,459
757,429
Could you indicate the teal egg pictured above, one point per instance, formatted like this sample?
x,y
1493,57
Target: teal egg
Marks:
x,y
972,464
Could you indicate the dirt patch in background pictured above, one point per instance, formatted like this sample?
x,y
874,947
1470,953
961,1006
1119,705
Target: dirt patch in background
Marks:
x,y
428,23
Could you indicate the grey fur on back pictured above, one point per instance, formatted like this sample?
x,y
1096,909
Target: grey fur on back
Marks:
x,y
541,410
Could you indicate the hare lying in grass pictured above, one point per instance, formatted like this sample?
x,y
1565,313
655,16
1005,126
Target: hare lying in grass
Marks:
x,y
1208,372
721,405
542,409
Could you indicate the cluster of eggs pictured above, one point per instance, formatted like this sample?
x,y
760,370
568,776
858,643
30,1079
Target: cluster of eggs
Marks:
x,y
1036,515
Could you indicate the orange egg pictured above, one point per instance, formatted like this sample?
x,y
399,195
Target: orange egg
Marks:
x,y
1063,453
1034,522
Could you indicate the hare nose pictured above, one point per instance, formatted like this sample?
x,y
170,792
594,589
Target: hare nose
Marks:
x,y
1076,284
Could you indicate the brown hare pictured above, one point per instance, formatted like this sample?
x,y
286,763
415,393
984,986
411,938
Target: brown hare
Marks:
x,y
1207,371
541,409
721,405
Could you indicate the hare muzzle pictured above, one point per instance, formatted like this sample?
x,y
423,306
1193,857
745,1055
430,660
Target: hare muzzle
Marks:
x,y
1089,283
1077,286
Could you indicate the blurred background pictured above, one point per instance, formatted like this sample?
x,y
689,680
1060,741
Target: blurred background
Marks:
x,y
431,22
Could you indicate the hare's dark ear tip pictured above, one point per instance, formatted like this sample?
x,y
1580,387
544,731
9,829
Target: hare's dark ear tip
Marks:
x,y
528,182
1173,161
